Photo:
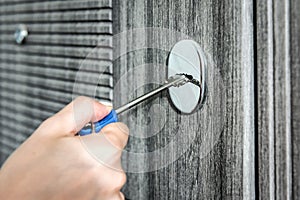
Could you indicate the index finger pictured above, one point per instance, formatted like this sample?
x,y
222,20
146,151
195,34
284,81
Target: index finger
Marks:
x,y
75,115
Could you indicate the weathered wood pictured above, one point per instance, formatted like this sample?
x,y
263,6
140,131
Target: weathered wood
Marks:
x,y
265,100
295,94
54,6
50,106
55,84
52,62
5,2
60,40
88,78
66,28
224,30
25,109
58,51
36,91
8,130
278,89
64,16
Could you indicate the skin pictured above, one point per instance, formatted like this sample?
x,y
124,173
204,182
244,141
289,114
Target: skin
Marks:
x,y
54,163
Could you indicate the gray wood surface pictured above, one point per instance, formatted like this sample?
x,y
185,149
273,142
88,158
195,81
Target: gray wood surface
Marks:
x,y
219,163
278,94
47,6
62,16
295,95
71,52
63,39
252,104
56,62
67,28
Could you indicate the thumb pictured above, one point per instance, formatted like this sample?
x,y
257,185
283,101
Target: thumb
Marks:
x,y
75,115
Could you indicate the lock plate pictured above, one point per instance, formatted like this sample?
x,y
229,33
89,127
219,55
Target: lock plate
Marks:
x,y
187,57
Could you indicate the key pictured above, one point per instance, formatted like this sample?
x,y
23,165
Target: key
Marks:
x,y
176,81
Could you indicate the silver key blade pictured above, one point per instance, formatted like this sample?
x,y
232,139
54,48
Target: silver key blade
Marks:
x,y
176,81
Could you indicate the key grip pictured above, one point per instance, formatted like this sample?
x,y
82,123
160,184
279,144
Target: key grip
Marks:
x,y
112,117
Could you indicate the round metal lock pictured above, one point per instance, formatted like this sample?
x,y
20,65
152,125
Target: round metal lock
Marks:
x,y
187,57
21,34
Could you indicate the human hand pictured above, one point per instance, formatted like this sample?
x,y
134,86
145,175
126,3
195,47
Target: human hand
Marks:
x,y
53,163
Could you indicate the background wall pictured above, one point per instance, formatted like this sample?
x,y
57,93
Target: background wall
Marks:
x,y
38,78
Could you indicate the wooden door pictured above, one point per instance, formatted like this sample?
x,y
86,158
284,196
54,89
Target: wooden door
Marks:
x,y
278,89
243,144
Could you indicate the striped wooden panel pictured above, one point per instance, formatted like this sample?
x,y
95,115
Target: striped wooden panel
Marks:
x,y
224,31
67,39
278,94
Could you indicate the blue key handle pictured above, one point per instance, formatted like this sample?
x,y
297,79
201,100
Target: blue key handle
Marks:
x,y
112,117
85,131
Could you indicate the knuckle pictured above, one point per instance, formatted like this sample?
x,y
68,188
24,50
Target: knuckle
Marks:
x,y
81,98
46,124
93,176
123,128
83,101
117,134
111,181
120,180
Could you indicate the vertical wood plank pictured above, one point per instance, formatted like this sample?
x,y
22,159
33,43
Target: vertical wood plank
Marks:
x,y
278,85
265,99
248,101
224,30
295,94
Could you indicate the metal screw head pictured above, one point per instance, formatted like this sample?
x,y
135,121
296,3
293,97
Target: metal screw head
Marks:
x,y
20,34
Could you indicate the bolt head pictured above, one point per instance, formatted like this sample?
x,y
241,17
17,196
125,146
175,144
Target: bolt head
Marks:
x,y
21,34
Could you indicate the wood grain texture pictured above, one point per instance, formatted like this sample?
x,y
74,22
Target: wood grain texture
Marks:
x,y
278,89
67,28
62,39
57,62
63,16
265,117
58,51
295,92
48,6
224,30
17,1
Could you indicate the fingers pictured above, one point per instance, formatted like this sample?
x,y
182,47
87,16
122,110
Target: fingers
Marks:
x,y
114,196
117,134
75,115
112,180
108,145
118,196
121,196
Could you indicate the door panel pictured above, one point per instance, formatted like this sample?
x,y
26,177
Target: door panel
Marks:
x,y
219,159
243,143
278,92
